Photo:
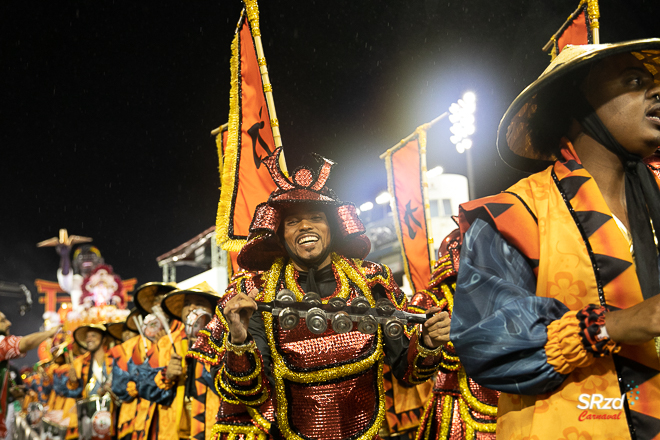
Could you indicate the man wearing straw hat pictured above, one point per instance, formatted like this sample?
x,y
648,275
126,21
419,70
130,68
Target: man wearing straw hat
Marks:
x,y
557,299
291,382
91,374
136,413
183,389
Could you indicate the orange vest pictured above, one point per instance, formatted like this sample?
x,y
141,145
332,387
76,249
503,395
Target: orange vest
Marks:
x,y
559,221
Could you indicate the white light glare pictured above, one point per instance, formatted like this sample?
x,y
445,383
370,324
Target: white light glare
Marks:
x,y
455,139
454,108
383,198
435,172
460,149
469,97
366,206
466,144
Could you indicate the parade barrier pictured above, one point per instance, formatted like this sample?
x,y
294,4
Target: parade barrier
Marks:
x,y
23,430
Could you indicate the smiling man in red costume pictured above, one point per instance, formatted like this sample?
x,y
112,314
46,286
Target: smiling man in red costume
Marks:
x,y
293,383
557,299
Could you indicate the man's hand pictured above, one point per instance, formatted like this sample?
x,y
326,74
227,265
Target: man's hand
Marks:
x,y
635,325
174,368
435,330
32,341
53,331
237,312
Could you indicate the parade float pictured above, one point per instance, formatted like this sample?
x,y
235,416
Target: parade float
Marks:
x,y
87,292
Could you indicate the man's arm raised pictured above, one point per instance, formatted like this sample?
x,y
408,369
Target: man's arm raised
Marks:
x,y
32,341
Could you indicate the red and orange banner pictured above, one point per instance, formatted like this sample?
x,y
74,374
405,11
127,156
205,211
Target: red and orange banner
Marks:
x,y
581,28
249,139
576,33
404,164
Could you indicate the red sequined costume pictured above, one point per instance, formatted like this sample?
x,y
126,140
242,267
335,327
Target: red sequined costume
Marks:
x,y
296,384
459,408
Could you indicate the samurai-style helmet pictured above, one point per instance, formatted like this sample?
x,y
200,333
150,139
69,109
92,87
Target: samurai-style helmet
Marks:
x,y
306,187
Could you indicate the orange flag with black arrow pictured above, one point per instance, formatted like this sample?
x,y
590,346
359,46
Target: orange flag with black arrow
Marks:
x,y
252,134
406,168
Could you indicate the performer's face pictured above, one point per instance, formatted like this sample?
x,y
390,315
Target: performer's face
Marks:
x,y
307,234
93,340
624,95
4,324
192,302
127,334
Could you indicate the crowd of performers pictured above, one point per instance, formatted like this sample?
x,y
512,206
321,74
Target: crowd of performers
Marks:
x,y
549,290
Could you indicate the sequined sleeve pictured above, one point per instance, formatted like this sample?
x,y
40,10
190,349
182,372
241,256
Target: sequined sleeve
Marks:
x,y
210,345
238,371
242,374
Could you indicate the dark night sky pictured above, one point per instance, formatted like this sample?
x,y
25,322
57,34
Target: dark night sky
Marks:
x,y
106,106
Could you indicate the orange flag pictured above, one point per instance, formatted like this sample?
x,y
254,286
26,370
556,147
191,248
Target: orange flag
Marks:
x,y
580,28
404,164
245,180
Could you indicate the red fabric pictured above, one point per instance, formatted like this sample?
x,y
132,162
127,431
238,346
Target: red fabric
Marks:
x,y
406,181
9,348
576,33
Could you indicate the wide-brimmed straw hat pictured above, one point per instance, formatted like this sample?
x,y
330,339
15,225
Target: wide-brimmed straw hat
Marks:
x,y
514,142
130,322
80,334
173,303
305,187
116,329
144,296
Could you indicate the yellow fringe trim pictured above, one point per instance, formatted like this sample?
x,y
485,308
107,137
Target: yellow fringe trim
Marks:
x,y
230,165
471,400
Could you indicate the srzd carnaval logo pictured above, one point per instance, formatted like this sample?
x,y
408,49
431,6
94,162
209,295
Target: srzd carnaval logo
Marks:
x,y
589,402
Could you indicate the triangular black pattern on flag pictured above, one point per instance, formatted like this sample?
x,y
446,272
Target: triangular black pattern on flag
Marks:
x,y
646,427
571,185
591,221
572,165
496,209
632,373
200,436
610,267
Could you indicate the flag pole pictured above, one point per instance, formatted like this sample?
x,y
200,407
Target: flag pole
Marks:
x,y
593,13
253,16
594,16
407,139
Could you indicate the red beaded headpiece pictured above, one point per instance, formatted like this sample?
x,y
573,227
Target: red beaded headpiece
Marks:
x,y
306,187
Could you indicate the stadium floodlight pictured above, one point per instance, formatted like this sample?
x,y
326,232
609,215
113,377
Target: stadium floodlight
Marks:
x,y
383,198
462,119
367,206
